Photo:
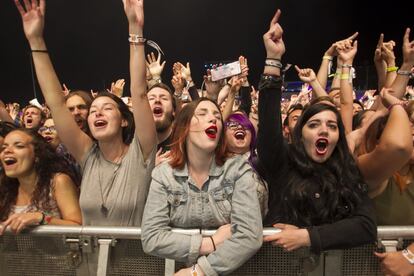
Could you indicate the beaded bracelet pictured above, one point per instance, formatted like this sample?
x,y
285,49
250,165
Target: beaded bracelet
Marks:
x,y
394,104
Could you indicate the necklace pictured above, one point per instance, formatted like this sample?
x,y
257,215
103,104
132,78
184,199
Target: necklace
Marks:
x,y
110,182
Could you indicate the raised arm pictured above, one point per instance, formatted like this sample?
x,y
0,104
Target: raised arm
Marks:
x,y
394,147
380,64
77,142
144,121
235,87
400,83
154,69
347,55
308,76
328,57
387,54
4,115
271,148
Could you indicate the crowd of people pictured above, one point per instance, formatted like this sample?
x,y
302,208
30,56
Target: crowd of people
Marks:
x,y
323,167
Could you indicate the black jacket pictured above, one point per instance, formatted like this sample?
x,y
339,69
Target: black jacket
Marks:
x,y
352,230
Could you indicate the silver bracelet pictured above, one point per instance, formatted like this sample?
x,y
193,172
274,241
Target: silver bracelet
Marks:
x,y
136,39
273,63
404,73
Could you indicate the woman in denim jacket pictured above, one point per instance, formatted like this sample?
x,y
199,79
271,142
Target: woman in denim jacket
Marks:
x,y
198,188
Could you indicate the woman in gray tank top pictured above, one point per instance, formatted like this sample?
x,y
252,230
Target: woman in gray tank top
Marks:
x,y
118,160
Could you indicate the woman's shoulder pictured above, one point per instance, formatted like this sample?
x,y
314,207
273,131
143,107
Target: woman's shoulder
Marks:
x,y
61,180
237,164
162,170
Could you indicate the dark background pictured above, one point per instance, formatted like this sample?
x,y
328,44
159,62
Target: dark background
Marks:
x,y
87,39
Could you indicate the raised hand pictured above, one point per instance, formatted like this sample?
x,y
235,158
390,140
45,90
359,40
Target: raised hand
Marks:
x,y
212,87
33,17
236,83
154,65
161,157
184,70
178,83
94,94
387,52
134,10
244,67
332,51
408,48
377,54
275,47
306,75
347,52
388,99
117,88
65,90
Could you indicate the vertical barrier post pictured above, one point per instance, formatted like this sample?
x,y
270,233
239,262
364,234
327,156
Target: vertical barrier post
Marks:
x,y
333,263
314,269
169,267
104,247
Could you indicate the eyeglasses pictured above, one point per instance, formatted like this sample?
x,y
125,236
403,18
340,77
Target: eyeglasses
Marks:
x,y
233,125
45,128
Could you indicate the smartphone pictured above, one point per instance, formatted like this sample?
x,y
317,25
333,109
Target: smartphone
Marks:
x,y
225,71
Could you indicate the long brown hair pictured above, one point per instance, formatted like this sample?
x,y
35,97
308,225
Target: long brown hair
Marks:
x,y
180,133
46,165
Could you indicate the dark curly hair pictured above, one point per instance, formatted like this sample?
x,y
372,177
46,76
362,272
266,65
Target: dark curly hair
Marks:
x,y
339,177
47,164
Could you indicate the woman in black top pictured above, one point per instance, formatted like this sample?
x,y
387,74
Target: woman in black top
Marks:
x,y
317,195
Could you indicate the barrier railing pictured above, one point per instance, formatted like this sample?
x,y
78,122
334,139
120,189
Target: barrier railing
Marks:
x,y
69,250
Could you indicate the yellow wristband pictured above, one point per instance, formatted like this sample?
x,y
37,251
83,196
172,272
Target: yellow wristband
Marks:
x,y
344,76
330,58
392,69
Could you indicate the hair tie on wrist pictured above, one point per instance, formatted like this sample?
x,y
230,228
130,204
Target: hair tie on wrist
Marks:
x,y
39,51
214,244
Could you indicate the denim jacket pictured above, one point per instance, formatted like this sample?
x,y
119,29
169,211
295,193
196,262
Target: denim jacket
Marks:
x,y
228,196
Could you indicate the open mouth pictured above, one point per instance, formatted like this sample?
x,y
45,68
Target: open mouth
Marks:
x,y
29,120
211,132
79,121
321,146
240,134
48,139
9,161
157,111
100,123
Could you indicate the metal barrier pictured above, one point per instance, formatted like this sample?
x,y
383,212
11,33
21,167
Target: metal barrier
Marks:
x,y
60,250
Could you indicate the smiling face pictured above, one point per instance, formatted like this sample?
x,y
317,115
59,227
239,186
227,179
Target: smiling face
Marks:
x,y
17,154
32,117
320,134
238,137
105,120
205,127
49,133
160,101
